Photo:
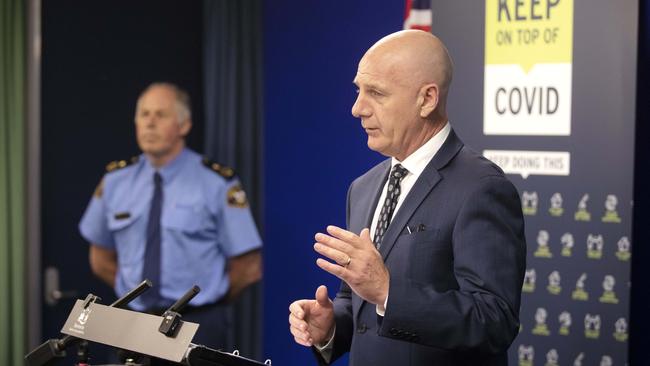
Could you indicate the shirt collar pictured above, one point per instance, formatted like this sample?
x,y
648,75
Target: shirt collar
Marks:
x,y
418,160
169,170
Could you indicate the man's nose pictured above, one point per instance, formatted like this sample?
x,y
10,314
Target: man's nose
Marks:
x,y
359,108
150,121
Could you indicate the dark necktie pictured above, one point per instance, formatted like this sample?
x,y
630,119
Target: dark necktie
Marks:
x,y
151,267
387,210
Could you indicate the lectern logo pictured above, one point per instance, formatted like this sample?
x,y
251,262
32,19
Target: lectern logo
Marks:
x,y
556,205
565,323
580,293
611,215
592,326
595,246
623,252
582,214
530,277
543,250
526,355
554,287
79,324
83,316
541,328
552,357
567,244
621,330
529,202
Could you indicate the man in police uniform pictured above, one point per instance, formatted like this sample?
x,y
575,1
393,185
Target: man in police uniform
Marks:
x,y
175,218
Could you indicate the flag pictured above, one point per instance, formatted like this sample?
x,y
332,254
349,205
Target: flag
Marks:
x,y
418,15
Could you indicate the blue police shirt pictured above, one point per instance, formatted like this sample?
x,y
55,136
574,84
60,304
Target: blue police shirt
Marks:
x,y
205,220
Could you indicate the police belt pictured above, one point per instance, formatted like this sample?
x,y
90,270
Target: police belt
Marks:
x,y
188,309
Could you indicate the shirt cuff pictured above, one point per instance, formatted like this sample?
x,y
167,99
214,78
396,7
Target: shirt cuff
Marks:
x,y
326,350
381,309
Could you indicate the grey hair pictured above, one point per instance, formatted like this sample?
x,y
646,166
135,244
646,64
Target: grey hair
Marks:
x,y
183,104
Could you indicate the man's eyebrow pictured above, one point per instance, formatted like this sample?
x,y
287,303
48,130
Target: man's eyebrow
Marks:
x,y
375,86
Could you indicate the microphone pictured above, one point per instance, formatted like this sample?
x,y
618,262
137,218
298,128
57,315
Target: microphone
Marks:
x,y
171,316
129,296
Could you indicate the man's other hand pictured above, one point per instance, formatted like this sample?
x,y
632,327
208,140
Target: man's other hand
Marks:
x,y
312,321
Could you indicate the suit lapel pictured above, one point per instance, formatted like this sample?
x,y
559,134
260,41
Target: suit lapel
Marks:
x,y
427,180
425,183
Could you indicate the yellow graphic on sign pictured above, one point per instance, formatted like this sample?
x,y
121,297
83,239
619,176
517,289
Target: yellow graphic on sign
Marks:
x,y
528,69
528,32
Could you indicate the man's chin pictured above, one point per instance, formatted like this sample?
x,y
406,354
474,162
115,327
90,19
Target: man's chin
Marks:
x,y
374,145
153,151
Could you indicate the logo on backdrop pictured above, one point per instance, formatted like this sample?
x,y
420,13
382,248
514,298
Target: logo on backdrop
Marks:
x,y
556,205
567,244
580,293
595,246
578,360
554,287
552,357
582,214
611,215
623,251
606,361
541,328
565,323
529,201
609,296
543,250
528,68
530,277
592,326
526,355
621,330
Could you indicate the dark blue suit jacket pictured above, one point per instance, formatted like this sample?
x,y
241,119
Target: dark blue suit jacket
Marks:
x,y
455,284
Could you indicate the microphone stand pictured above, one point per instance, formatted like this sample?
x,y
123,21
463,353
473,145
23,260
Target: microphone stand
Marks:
x,y
172,316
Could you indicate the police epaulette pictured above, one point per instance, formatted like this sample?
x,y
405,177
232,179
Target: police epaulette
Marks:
x,y
224,171
119,164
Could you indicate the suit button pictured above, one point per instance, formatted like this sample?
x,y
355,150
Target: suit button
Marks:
x,y
362,328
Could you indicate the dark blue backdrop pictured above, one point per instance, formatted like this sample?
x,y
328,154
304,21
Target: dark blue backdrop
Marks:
x,y
314,147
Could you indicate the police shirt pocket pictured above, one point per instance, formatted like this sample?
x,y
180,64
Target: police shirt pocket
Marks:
x,y
186,218
127,232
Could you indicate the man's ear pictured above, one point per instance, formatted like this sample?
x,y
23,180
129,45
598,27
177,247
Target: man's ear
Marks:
x,y
430,96
186,126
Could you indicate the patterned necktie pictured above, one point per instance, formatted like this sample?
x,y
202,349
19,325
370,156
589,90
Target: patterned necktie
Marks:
x,y
151,267
387,210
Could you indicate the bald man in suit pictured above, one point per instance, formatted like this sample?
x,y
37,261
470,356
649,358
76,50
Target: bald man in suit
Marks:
x,y
433,258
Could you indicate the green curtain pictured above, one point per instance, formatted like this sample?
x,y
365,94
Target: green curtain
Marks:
x,y
12,182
